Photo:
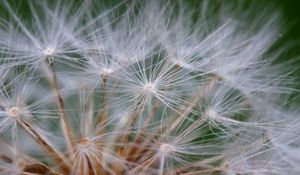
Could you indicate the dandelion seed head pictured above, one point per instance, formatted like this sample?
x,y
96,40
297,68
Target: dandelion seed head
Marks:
x,y
156,91
14,112
166,149
106,71
85,142
123,119
211,113
150,87
181,63
49,51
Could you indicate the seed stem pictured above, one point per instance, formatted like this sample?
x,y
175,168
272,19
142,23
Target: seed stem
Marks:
x,y
184,114
60,159
102,115
68,134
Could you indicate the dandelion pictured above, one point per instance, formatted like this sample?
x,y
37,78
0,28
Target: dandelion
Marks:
x,y
146,87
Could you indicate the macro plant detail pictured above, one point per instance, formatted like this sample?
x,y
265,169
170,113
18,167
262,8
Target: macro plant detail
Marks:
x,y
145,87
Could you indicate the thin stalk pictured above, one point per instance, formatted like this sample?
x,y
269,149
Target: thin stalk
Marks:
x,y
67,131
143,145
151,115
60,159
201,163
102,114
33,168
189,108
205,172
144,165
124,139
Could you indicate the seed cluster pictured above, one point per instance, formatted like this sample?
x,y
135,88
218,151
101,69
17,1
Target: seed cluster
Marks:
x,y
145,88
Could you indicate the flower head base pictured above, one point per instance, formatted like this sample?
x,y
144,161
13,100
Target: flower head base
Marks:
x,y
85,143
149,88
14,112
211,113
49,51
106,71
166,149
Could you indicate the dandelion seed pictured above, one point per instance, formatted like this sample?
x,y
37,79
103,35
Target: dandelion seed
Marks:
x,y
49,51
149,88
106,71
166,149
85,141
14,112
212,113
